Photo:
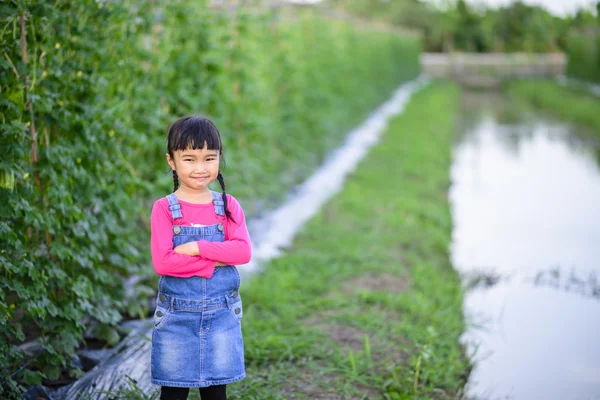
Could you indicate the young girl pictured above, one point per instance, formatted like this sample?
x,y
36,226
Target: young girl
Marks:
x,y
198,236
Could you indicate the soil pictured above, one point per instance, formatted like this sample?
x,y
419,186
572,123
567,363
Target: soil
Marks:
x,y
386,349
379,283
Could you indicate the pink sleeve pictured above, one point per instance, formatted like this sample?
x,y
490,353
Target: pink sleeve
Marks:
x,y
166,262
237,248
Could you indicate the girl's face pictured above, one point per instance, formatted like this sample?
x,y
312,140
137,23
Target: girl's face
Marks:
x,y
195,168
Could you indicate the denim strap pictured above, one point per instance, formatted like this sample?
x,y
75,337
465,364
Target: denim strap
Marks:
x,y
174,206
218,203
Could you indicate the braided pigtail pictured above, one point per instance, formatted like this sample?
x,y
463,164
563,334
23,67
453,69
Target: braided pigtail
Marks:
x,y
222,183
175,181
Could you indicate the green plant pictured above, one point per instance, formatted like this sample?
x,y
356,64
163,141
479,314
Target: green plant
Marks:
x,y
583,56
572,104
83,140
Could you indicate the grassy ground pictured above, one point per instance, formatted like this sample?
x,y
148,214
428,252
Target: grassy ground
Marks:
x,y
366,303
571,104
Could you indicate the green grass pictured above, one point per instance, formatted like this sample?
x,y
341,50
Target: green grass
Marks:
x,y
570,104
366,305
583,56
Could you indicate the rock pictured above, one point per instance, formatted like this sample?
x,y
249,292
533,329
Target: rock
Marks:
x,y
91,357
32,348
119,368
37,392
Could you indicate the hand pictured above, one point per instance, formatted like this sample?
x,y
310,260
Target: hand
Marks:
x,y
189,248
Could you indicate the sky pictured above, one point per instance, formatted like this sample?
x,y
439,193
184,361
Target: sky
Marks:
x,y
557,7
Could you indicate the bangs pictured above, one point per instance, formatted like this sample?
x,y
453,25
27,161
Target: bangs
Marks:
x,y
193,133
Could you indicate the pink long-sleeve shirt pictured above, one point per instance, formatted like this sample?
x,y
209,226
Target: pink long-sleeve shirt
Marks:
x,y
235,250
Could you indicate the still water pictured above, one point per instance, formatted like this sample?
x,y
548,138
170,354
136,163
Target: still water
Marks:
x,y
525,199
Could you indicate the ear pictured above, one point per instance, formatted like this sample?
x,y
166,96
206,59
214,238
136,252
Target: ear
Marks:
x,y
170,161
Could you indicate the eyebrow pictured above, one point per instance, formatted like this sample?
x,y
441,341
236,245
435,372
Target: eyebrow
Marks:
x,y
194,156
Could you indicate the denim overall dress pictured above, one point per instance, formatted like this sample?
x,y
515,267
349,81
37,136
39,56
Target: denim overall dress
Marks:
x,y
197,335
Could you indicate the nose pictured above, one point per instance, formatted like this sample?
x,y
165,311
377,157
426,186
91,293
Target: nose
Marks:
x,y
200,167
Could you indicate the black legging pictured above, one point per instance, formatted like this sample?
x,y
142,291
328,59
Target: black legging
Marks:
x,y
206,393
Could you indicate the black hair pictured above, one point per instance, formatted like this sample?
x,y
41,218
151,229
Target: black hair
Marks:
x,y
194,132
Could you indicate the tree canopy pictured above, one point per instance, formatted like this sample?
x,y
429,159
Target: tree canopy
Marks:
x,y
462,27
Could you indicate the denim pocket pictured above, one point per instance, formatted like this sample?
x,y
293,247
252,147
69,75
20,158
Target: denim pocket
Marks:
x,y
236,310
161,315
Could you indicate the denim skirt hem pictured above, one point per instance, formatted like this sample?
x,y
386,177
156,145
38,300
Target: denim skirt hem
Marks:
x,y
198,384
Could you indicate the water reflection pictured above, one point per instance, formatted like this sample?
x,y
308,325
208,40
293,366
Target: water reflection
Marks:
x,y
557,277
573,281
525,195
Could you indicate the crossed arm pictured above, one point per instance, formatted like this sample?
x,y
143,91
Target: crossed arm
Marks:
x,y
191,249
197,258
